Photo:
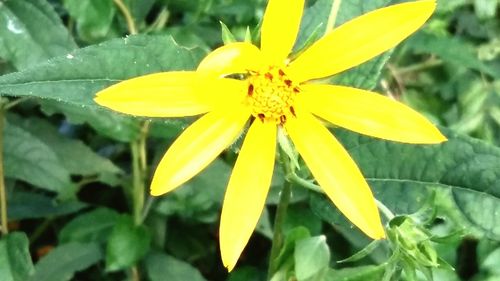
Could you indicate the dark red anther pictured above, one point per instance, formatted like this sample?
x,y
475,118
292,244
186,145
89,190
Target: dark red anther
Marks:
x,y
262,117
292,110
296,90
288,82
281,73
282,119
250,90
268,75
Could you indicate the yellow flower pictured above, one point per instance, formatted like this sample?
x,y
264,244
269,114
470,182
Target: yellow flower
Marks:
x,y
275,94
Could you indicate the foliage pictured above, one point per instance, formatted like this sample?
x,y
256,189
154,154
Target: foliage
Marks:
x,y
74,205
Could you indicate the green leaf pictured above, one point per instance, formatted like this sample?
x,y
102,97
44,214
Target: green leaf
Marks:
x,y
28,158
359,273
402,176
67,150
200,198
246,273
366,75
160,266
29,205
301,215
108,123
463,54
285,256
486,9
15,259
76,77
312,257
93,17
94,226
227,35
127,244
61,263
31,32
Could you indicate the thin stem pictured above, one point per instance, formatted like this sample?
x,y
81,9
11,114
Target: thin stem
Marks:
x,y
3,195
40,229
278,236
137,183
132,29
147,207
139,169
433,62
13,103
332,18
384,210
135,273
305,183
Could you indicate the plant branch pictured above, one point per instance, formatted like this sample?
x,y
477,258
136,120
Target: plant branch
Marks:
x,y
332,18
132,29
3,194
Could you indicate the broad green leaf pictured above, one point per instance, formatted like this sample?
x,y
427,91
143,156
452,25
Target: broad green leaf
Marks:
x,y
31,32
301,215
30,205
463,54
359,273
201,197
61,263
127,244
286,256
76,78
486,9
246,273
140,8
75,156
94,226
314,23
93,17
366,75
15,259
312,257
403,176
160,267
108,123
29,159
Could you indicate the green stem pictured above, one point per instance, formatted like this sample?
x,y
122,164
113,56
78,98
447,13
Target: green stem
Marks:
x,y
384,210
278,236
138,151
332,18
3,195
40,230
132,29
433,62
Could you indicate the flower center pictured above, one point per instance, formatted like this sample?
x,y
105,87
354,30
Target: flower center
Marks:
x,y
271,95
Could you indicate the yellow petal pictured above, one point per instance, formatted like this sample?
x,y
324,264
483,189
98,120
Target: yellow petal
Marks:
x,y
196,147
336,173
280,27
360,40
369,113
247,190
232,58
168,94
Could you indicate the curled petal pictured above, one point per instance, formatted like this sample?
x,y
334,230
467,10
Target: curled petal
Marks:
x,y
196,147
232,58
168,94
280,27
247,190
370,114
361,39
336,173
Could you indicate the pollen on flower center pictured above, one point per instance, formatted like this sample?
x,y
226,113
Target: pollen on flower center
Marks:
x,y
271,95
